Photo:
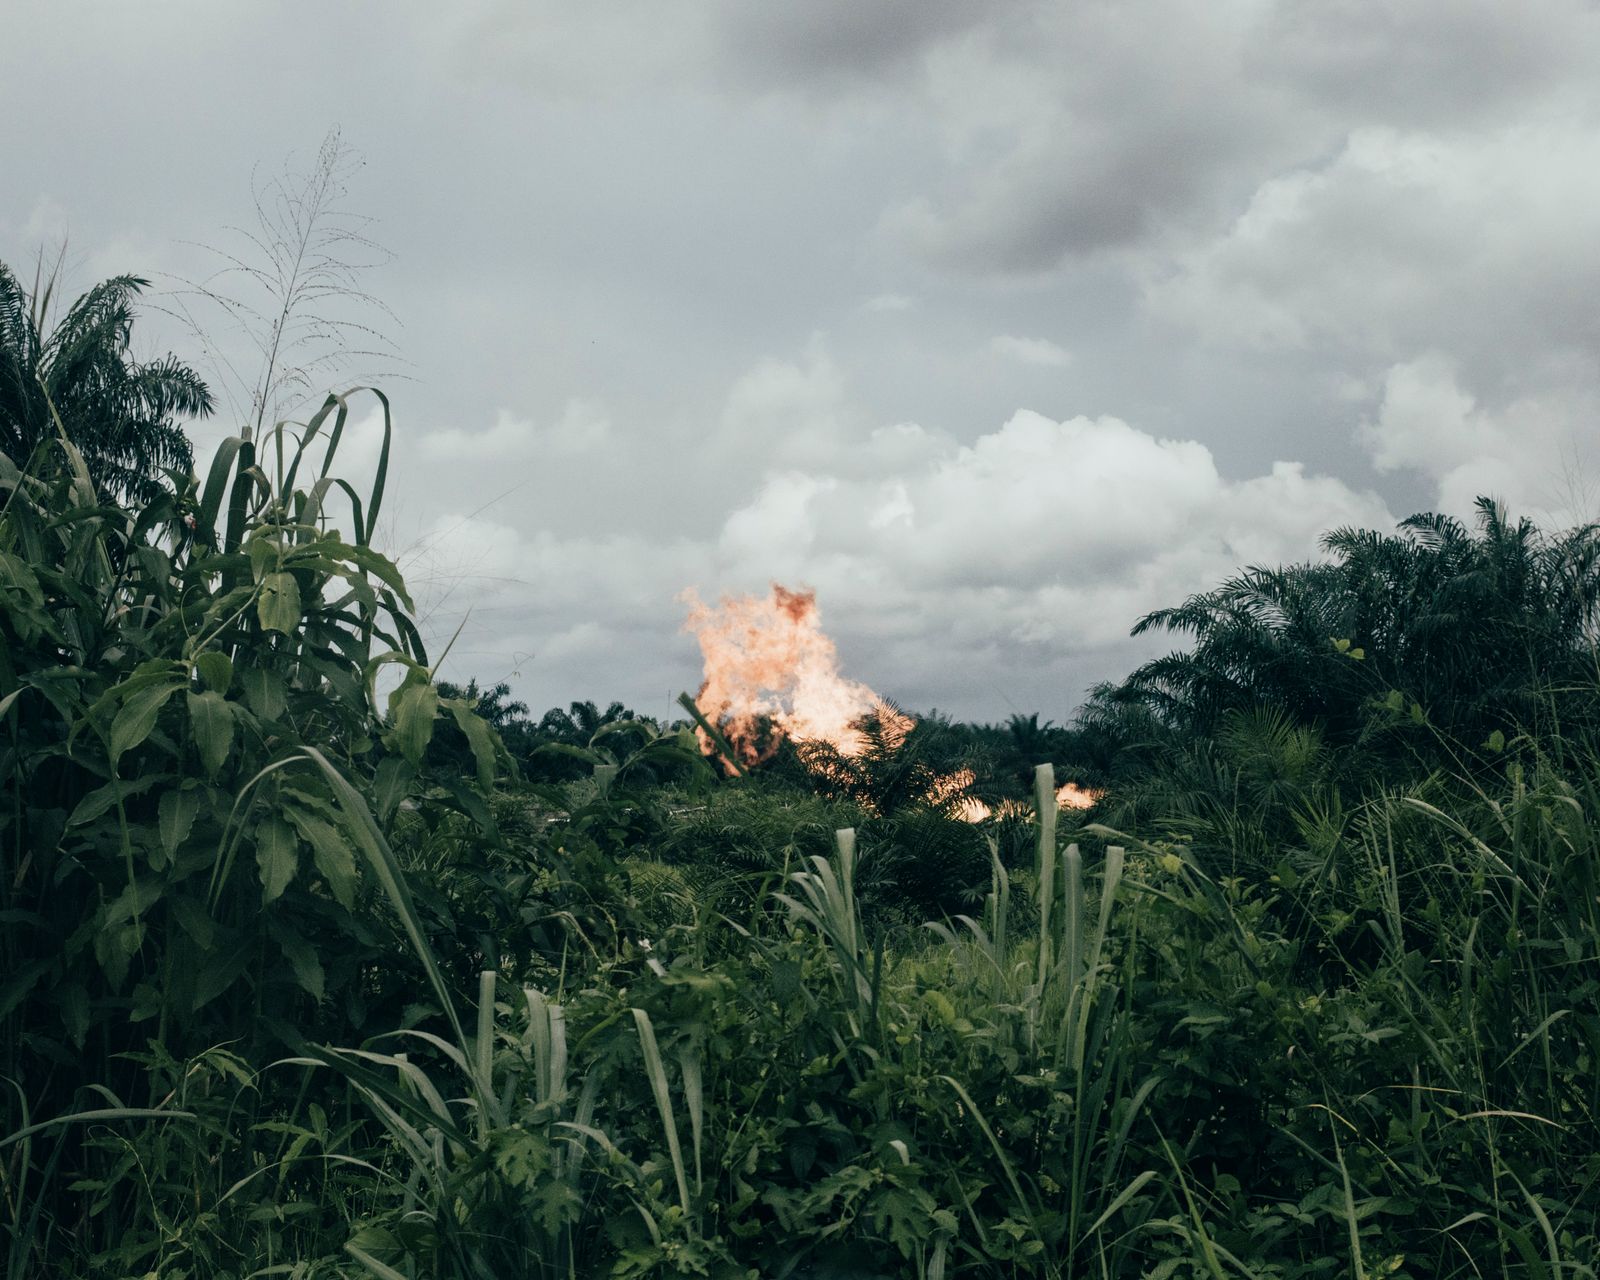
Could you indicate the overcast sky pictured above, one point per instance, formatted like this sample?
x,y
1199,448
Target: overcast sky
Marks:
x,y
998,324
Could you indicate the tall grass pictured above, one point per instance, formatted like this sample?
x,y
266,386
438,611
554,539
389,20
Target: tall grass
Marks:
x,y
1289,1033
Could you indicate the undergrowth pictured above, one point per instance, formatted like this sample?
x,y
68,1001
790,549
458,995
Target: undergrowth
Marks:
x,y
299,979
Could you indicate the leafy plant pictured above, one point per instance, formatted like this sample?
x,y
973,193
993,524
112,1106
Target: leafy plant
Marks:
x,y
123,414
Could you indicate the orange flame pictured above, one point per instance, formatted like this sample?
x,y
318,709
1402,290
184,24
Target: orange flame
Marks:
x,y
771,673
1071,796
768,662
972,809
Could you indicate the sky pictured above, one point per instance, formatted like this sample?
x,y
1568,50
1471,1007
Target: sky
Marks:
x,y
998,325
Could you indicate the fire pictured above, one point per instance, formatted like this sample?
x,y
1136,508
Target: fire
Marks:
x,y
1071,796
771,672
972,809
769,660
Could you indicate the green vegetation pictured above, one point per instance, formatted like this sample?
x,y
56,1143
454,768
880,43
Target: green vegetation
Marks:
x,y
313,966
124,414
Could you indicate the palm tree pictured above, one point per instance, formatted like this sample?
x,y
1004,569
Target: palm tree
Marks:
x,y
120,413
1473,630
577,725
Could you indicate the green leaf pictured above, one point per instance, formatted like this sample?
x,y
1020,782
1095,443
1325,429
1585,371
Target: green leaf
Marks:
x,y
137,717
219,975
175,816
133,902
390,784
212,720
1497,742
279,604
480,737
302,958
277,855
19,983
103,798
115,946
413,707
264,692
471,802
331,854
382,568
194,920
73,1000
216,669
263,553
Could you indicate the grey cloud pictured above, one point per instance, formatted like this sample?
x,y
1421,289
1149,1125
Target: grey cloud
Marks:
x,y
1429,62
838,40
1136,123
1476,244
1356,235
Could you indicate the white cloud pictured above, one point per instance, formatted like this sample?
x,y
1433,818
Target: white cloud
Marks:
x,y
1536,453
1029,551
1039,533
1479,243
1034,351
582,427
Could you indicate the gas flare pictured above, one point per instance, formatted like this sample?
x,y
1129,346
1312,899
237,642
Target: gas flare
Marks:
x,y
771,672
1071,796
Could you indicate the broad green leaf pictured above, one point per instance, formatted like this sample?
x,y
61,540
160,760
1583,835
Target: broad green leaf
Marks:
x,y
137,717
102,799
216,482
264,553
72,999
264,691
133,901
382,568
220,974
279,605
18,984
471,801
175,816
148,1001
212,720
277,855
96,803
302,958
480,737
332,855
115,946
193,919
390,784
413,707
216,669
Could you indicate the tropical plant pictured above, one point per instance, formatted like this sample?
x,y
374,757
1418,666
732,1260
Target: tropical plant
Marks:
x,y
79,376
1458,633
190,711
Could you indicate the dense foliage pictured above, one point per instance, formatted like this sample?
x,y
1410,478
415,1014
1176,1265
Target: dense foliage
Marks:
x,y
1464,632
125,413
313,966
